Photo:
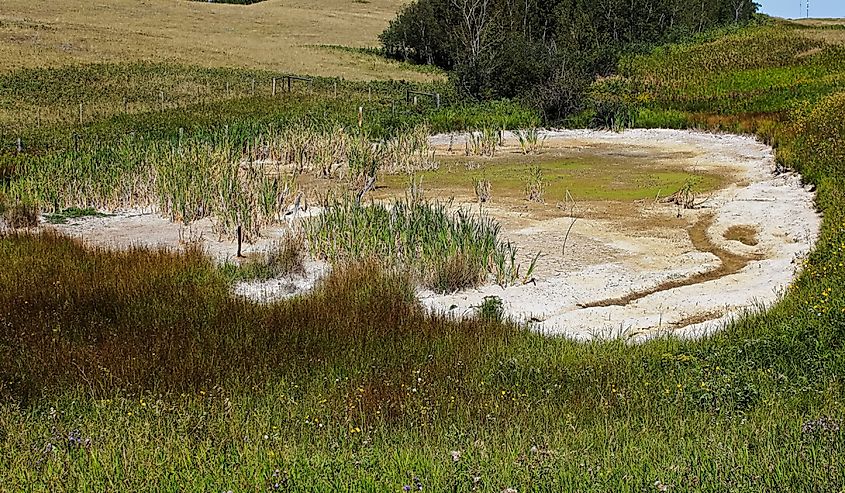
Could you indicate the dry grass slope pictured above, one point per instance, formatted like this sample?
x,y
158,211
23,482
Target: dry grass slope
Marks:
x,y
828,30
275,35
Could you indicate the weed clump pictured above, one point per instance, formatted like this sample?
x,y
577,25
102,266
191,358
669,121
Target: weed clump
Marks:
x,y
19,215
285,259
535,185
483,190
455,274
415,236
72,213
492,309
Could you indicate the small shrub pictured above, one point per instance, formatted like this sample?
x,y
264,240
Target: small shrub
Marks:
x,y
492,309
613,104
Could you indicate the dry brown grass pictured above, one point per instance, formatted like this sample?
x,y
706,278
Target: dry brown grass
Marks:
x,y
820,22
274,35
827,30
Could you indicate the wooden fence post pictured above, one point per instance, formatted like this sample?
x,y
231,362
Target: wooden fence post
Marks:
x,y
80,112
360,116
274,87
240,241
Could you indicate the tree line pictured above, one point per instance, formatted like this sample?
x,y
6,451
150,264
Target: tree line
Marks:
x,y
545,50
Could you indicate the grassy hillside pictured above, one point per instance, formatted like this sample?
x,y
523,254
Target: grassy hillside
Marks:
x,y
136,370
275,35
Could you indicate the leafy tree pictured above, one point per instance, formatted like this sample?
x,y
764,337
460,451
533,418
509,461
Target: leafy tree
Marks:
x,y
547,50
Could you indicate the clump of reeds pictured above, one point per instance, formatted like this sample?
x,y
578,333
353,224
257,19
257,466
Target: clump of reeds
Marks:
x,y
328,150
483,190
530,141
535,185
483,142
439,249
198,180
409,152
241,177
19,215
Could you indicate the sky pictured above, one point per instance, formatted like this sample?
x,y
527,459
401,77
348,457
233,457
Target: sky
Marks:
x,y
790,8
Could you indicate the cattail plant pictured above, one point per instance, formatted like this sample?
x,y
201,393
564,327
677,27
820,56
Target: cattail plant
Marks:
x,y
483,142
483,190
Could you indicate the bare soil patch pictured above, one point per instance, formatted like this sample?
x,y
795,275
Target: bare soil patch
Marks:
x,y
729,263
747,235
636,267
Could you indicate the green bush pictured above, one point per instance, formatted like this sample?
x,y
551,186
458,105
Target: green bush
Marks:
x,y
492,309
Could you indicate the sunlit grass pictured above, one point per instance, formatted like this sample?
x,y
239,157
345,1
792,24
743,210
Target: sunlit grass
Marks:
x,y
595,178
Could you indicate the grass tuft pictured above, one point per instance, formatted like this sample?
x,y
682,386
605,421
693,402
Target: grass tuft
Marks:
x,y
439,249
284,259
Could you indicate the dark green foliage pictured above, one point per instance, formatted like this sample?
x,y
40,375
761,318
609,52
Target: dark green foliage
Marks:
x,y
61,217
492,308
547,50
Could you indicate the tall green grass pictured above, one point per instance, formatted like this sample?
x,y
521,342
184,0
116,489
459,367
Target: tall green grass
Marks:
x,y
442,250
138,370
